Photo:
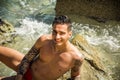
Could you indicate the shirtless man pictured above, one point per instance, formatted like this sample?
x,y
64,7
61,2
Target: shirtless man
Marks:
x,y
52,55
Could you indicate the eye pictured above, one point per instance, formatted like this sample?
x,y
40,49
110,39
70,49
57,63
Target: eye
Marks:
x,y
62,33
54,32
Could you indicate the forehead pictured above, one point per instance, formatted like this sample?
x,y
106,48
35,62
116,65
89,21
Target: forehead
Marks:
x,y
60,27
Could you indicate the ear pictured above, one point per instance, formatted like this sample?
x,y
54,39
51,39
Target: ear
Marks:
x,y
70,33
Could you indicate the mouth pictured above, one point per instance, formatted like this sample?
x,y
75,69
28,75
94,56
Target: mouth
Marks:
x,y
57,41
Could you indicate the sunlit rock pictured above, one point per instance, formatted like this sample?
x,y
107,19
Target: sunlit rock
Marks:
x,y
6,30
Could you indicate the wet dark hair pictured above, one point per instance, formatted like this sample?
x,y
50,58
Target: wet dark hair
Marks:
x,y
62,19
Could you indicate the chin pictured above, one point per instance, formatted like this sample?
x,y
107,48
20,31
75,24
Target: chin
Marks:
x,y
59,44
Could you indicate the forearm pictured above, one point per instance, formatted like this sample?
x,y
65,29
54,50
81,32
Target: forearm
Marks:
x,y
75,71
23,66
27,60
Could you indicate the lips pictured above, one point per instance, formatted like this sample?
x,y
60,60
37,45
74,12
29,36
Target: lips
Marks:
x,y
57,41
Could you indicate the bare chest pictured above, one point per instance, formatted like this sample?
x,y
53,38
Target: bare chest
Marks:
x,y
51,67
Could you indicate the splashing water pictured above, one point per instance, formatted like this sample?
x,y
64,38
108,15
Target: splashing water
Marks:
x,y
97,36
32,28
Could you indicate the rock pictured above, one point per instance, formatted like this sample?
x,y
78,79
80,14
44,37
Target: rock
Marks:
x,y
99,10
6,27
6,30
91,55
92,68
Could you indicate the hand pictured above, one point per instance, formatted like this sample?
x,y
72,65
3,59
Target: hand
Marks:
x,y
19,77
75,78
69,79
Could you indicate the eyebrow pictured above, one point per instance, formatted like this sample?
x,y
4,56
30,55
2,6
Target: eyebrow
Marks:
x,y
59,31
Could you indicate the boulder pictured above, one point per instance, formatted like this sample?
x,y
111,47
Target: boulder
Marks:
x,y
99,10
92,68
6,32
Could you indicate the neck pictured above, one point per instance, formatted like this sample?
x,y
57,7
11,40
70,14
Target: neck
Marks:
x,y
61,48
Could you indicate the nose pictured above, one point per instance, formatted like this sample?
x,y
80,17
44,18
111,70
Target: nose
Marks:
x,y
57,36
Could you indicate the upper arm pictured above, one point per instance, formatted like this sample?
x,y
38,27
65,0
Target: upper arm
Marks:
x,y
75,70
33,52
38,44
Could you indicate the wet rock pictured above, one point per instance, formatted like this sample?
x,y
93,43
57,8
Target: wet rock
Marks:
x,y
91,55
6,32
92,68
6,27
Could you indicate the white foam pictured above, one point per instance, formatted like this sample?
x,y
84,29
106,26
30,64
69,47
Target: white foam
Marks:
x,y
32,27
105,39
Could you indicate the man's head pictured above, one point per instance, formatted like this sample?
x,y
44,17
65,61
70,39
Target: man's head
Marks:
x,y
62,19
61,29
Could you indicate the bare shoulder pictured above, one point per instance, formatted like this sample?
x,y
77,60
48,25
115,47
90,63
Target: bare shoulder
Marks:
x,y
41,40
44,37
77,55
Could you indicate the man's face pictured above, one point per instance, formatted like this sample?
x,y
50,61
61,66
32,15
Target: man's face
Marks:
x,y
61,34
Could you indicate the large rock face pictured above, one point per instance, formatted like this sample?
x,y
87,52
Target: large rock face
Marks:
x,y
100,10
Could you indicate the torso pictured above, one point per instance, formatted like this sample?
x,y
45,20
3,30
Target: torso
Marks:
x,y
51,65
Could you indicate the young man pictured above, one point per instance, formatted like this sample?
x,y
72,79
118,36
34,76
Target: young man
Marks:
x,y
52,55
